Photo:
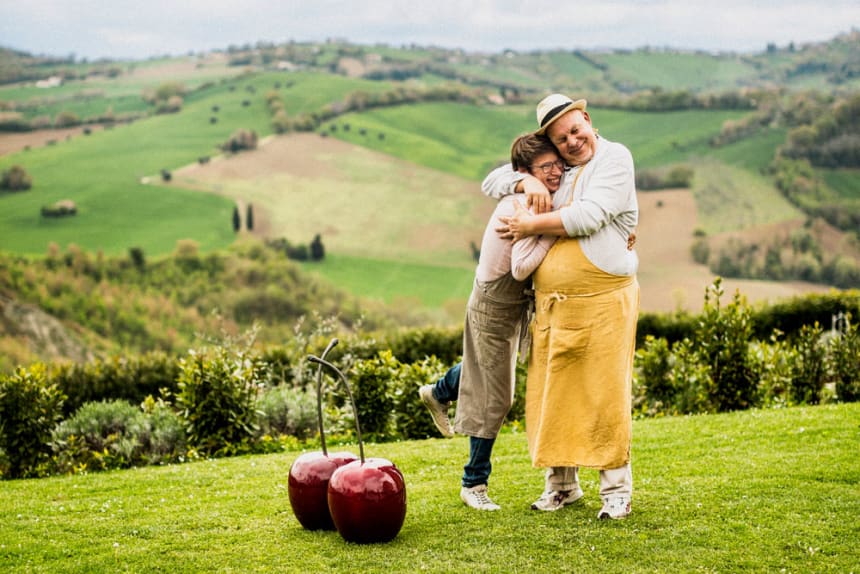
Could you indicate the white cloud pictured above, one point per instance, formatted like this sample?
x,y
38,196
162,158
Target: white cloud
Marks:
x,y
131,28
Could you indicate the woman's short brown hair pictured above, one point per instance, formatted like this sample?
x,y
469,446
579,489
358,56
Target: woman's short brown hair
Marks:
x,y
527,147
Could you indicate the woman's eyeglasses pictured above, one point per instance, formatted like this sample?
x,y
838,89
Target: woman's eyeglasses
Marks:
x,y
546,168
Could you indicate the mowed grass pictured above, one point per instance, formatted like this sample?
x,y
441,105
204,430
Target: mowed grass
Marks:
x,y
755,491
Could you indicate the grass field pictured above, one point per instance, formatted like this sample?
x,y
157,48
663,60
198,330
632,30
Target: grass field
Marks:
x,y
671,71
102,173
756,491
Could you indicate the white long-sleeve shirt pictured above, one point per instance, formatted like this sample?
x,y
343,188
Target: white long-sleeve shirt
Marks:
x,y
603,211
498,256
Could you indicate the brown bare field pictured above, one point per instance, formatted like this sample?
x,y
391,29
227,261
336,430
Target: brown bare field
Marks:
x,y
368,209
362,202
14,142
185,68
668,276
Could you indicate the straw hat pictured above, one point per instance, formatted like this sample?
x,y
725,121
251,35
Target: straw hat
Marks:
x,y
553,107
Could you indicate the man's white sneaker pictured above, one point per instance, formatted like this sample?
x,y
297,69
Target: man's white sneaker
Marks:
x,y
476,497
555,499
615,507
438,410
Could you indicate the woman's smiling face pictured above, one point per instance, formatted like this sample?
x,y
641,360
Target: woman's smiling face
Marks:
x,y
548,168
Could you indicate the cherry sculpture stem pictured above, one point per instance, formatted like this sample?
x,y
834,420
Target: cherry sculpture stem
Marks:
x,y
328,348
320,361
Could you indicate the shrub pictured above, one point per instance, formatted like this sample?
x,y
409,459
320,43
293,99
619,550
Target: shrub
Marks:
x,y
775,362
66,119
171,105
217,396
100,436
30,406
653,367
317,248
118,377
722,337
416,344
692,379
283,410
809,373
137,256
16,178
372,382
701,251
410,415
15,122
61,208
240,140
167,438
843,362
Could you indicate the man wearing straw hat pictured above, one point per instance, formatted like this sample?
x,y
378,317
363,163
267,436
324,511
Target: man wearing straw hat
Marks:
x,y
578,396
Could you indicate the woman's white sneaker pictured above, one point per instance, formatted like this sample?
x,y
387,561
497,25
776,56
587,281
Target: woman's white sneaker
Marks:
x,y
476,497
438,410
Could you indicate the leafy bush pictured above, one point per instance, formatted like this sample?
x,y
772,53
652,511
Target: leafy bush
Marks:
x,y
844,362
29,409
240,140
283,410
671,381
701,251
66,119
654,366
372,382
414,345
775,360
722,340
61,208
100,436
809,373
693,381
217,395
119,377
410,415
167,439
16,178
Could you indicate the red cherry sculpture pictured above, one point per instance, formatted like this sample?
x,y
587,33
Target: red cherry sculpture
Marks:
x,y
308,487
310,474
367,500
367,497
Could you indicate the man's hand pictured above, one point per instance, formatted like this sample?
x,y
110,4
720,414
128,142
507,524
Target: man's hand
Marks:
x,y
538,198
631,241
516,226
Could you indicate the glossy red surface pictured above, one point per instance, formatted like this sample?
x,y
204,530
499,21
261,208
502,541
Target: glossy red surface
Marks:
x,y
368,500
308,487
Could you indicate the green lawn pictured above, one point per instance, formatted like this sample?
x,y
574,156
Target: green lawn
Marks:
x,y
757,491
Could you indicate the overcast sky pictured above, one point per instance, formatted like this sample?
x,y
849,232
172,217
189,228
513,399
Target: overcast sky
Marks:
x,y
136,29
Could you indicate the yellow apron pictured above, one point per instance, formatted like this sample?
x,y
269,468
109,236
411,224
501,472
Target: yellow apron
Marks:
x,y
578,394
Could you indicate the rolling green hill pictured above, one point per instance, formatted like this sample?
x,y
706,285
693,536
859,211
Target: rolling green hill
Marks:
x,y
399,206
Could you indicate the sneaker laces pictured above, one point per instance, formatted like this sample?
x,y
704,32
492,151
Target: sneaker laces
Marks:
x,y
481,496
